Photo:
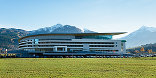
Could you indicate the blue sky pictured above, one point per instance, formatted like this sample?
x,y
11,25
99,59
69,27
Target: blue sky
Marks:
x,y
97,15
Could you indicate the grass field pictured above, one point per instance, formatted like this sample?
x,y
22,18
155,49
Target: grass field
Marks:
x,y
77,67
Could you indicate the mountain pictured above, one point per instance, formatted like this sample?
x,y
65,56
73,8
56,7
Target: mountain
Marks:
x,y
58,28
9,37
67,29
45,30
142,36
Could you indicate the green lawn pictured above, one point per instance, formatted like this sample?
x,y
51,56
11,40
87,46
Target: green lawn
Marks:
x,y
77,67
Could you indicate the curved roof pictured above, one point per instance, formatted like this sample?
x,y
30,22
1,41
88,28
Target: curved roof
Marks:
x,y
75,34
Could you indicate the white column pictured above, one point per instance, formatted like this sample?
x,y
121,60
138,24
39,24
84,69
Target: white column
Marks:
x,y
65,49
124,47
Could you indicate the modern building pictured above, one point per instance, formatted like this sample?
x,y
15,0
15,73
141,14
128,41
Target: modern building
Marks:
x,y
73,44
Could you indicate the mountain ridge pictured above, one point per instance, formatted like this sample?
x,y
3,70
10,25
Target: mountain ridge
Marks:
x,y
9,36
142,36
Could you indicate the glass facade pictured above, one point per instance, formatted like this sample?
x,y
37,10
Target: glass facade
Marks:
x,y
94,37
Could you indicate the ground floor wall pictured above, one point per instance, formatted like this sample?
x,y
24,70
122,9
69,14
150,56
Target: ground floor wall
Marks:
x,y
77,55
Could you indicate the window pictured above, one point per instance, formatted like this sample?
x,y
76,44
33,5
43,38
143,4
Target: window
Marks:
x,y
36,41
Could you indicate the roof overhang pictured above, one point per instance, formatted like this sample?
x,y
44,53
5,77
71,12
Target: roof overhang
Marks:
x,y
75,34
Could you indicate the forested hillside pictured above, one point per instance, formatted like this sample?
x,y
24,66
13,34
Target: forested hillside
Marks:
x,y
9,37
148,48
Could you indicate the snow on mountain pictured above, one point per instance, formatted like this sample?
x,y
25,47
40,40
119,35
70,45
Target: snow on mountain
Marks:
x,y
46,29
50,29
58,28
142,36
88,31
67,29
55,26
151,29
